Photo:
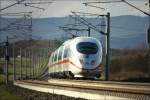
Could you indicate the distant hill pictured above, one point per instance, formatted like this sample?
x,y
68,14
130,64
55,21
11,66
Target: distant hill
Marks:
x,y
129,31
126,31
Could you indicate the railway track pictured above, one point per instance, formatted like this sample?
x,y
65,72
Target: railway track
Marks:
x,y
96,89
131,87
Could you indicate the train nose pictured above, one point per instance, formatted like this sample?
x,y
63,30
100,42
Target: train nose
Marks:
x,y
87,63
88,73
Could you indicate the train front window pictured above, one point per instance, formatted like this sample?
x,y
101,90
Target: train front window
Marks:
x,y
87,48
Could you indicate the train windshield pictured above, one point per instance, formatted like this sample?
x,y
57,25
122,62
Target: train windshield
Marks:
x,y
87,48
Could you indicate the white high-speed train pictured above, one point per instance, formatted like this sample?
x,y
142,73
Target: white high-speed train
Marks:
x,y
76,58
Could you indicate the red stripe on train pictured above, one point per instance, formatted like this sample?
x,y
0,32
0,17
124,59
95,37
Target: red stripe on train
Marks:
x,y
68,61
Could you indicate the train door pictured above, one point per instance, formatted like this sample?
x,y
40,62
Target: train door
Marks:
x,y
57,66
50,63
54,61
59,59
62,66
65,57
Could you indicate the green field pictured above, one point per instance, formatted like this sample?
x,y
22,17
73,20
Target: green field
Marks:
x,y
39,67
6,92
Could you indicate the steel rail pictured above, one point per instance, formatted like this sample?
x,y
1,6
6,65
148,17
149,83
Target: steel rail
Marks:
x,y
122,88
108,82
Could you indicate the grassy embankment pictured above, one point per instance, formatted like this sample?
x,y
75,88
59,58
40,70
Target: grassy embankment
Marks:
x,y
6,92
130,65
39,50
10,92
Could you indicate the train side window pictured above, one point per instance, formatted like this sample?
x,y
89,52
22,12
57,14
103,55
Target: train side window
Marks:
x,y
69,53
60,54
52,57
55,56
50,60
57,53
65,53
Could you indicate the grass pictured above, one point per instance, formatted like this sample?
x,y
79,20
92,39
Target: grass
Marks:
x,y
40,65
11,92
5,94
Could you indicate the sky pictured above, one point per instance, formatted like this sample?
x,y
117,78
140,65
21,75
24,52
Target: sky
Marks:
x,y
61,8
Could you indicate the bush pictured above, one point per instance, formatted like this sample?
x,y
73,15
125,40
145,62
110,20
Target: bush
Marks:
x,y
130,66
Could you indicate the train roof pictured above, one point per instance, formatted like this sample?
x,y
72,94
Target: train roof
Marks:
x,y
79,39
70,41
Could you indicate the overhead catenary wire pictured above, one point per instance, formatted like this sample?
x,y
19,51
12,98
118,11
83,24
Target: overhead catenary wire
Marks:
x,y
18,2
120,1
8,14
136,8
20,14
40,14
15,13
86,4
82,20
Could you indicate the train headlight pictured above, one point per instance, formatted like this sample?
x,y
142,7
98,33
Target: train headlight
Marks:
x,y
81,61
93,62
